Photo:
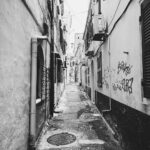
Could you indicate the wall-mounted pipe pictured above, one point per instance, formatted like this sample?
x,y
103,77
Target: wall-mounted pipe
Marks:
x,y
34,45
110,107
33,93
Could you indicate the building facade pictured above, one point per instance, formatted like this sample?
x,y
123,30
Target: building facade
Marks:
x,y
59,49
117,76
27,48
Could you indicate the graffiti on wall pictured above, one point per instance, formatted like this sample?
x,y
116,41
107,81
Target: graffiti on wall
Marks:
x,y
124,67
124,83
105,78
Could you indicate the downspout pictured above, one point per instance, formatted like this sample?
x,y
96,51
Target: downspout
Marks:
x,y
33,93
110,104
34,43
109,109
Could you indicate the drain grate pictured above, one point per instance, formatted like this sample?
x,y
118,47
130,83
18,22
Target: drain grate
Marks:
x,y
61,139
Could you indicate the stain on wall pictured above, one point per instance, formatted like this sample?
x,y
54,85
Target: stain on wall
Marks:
x,y
16,29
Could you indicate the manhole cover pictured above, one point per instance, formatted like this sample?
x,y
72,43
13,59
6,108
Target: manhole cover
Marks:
x,y
61,139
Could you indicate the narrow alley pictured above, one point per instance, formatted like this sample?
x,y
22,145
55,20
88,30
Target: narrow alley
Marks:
x,y
77,125
74,74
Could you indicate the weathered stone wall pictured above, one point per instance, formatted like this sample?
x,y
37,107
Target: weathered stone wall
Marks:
x,y
16,29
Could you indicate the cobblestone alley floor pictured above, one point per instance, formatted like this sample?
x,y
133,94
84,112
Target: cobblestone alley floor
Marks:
x,y
77,125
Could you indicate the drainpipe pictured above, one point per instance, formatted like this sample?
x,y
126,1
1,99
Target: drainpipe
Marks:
x,y
34,44
110,108
33,94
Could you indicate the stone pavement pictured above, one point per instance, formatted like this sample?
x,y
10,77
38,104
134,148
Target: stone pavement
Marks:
x,y
76,125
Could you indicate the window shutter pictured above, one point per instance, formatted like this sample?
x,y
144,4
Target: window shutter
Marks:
x,y
145,9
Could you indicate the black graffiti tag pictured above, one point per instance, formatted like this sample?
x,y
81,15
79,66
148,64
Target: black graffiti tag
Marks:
x,y
122,66
127,85
124,85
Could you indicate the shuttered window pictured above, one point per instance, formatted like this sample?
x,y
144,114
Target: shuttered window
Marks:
x,y
145,9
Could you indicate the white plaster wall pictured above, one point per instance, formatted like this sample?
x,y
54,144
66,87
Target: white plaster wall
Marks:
x,y
112,10
126,37
37,7
17,28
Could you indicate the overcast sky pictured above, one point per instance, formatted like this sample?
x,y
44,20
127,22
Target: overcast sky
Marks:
x,y
78,9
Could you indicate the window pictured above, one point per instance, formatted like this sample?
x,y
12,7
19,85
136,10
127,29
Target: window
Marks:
x,y
99,70
145,9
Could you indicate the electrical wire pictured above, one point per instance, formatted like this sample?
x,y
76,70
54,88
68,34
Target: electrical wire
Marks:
x,y
115,24
115,13
120,17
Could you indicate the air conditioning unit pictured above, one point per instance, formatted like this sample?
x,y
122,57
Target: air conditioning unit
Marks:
x,y
99,28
